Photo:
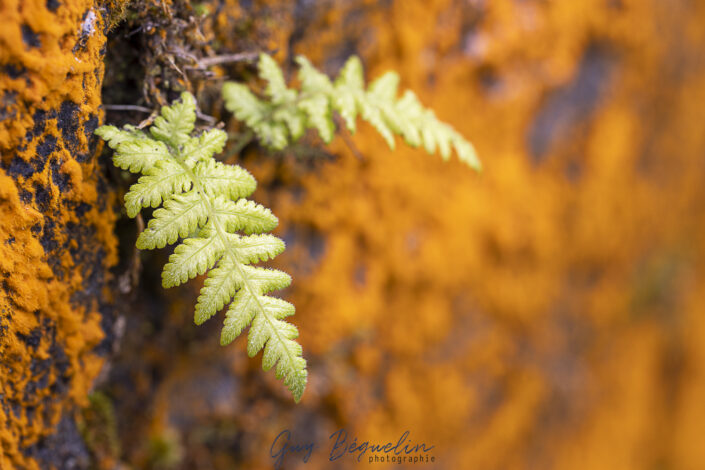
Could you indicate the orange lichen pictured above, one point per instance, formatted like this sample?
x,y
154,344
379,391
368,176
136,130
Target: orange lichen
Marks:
x,y
56,241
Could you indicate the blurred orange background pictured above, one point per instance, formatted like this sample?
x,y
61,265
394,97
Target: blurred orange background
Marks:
x,y
544,314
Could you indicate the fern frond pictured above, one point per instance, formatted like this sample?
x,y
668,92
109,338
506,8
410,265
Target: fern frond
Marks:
x,y
282,117
201,201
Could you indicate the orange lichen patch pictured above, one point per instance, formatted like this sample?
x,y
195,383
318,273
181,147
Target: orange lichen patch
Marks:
x,y
56,240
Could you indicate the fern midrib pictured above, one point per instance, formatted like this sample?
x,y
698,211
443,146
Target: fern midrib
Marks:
x,y
235,261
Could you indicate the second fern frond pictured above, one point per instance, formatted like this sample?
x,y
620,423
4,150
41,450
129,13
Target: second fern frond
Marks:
x,y
201,201
285,114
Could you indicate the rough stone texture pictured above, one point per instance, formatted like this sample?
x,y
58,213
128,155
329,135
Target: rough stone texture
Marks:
x,y
56,240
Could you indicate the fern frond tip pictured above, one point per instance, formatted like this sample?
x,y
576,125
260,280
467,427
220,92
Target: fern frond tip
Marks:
x,y
175,123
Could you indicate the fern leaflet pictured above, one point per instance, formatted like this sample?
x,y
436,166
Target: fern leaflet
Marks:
x,y
201,201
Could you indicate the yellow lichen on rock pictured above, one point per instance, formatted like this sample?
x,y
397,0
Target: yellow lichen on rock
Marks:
x,y
56,240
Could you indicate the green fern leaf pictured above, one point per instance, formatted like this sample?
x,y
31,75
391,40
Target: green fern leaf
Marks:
x,y
246,107
162,180
371,113
201,201
312,81
244,215
220,286
139,155
193,257
282,118
204,146
294,120
385,88
228,180
180,216
256,248
175,123
266,280
239,316
317,109
276,86
273,134
383,92
351,75
114,136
